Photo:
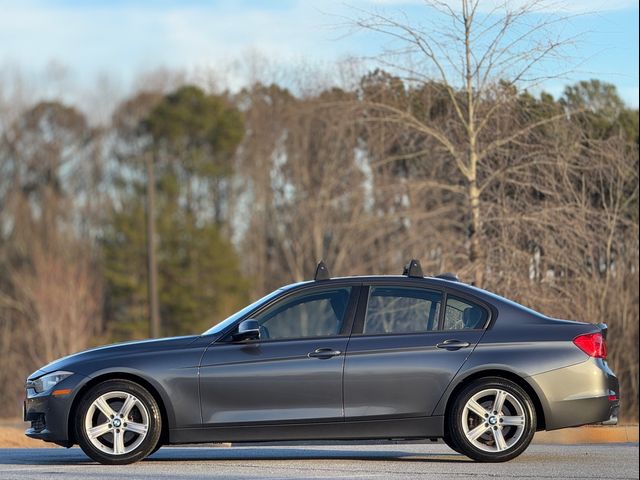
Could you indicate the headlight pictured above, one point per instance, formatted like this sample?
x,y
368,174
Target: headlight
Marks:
x,y
48,381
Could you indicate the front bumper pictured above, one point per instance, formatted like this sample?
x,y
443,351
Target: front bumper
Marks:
x,y
49,415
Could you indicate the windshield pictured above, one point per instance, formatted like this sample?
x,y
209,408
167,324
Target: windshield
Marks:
x,y
229,320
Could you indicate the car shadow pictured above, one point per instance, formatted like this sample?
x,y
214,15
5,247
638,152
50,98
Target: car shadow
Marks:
x,y
75,456
275,453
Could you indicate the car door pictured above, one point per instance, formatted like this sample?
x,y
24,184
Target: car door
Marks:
x,y
406,349
293,373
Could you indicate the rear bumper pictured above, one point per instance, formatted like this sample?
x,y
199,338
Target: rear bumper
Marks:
x,y
578,395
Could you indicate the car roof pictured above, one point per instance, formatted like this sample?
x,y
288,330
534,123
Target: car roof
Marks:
x,y
374,278
495,300
396,279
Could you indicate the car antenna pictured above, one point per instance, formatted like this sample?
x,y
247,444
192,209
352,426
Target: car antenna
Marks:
x,y
448,276
413,269
322,272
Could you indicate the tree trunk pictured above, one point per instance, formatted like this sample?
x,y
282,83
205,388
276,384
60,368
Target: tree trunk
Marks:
x,y
475,229
152,267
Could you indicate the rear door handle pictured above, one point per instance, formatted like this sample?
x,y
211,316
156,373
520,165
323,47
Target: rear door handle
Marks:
x,y
324,353
453,344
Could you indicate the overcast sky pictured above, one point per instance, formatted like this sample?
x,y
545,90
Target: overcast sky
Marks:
x,y
125,38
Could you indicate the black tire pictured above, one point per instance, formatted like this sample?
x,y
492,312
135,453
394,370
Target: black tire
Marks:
x,y
156,448
449,442
458,437
150,440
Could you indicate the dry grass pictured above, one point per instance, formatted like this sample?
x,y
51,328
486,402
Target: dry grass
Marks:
x,y
589,434
12,436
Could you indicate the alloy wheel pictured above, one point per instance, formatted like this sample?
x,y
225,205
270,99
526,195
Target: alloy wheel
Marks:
x,y
493,420
116,422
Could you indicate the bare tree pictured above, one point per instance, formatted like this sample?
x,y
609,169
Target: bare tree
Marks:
x,y
49,289
477,58
61,295
301,209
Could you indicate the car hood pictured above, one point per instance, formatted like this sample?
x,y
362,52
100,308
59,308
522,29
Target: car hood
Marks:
x,y
115,349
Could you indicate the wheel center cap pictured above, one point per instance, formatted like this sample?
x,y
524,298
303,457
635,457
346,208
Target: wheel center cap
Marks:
x,y
116,422
493,420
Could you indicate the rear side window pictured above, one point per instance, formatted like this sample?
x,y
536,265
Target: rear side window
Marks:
x,y
401,310
461,314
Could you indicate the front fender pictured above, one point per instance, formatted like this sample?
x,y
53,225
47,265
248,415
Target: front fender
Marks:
x,y
156,387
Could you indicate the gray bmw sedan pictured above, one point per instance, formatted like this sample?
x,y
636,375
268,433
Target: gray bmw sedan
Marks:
x,y
353,358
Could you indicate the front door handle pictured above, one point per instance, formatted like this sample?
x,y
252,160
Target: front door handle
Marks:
x,y
324,353
453,344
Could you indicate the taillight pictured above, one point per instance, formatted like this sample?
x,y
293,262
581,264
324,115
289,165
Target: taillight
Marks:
x,y
592,344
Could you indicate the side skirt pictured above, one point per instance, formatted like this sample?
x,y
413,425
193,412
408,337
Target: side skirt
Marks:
x,y
397,428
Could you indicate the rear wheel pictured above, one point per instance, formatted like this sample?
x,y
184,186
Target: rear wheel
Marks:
x,y
118,422
492,420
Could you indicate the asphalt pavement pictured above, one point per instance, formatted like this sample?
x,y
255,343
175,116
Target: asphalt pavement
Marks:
x,y
388,461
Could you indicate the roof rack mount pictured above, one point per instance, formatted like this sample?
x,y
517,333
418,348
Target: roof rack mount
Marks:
x,y
322,272
413,269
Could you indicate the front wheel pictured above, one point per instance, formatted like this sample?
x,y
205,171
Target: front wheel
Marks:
x,y
118,422
449,442
492,420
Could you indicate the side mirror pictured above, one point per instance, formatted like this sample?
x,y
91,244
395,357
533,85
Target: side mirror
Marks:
x,y
247,330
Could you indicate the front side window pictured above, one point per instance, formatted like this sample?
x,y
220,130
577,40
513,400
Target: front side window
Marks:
x,y
312,314
461,314
401,310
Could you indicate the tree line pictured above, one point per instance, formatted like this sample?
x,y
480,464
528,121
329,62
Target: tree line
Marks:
x,y
252,189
